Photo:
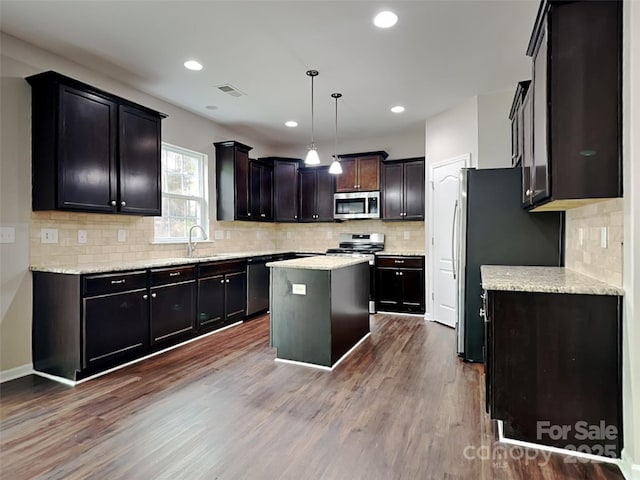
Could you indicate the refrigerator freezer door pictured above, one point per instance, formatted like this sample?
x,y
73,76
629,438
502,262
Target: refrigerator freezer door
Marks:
x,y
460,257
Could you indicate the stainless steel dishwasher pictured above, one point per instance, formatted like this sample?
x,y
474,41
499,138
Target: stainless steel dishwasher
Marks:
x,y
257,285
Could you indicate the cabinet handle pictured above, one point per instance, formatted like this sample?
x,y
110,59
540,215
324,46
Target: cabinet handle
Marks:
x,y
528,193
123,203
221,281
295,216
153,295
145,296
481,313
248,214
227,280
400,273
118,282
174,274
398,261
113,203
262,215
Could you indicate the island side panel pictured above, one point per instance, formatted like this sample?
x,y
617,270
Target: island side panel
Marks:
x,y
301,324
349,308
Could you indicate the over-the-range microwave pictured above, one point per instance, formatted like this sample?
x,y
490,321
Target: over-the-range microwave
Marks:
x,y
347,206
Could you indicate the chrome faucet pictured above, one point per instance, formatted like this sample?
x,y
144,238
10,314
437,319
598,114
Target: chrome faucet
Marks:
x,y
191,246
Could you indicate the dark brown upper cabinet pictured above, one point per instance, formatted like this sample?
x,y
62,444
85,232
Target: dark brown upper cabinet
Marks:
x,y
403,189
516,115
315,193
360,172
261,191
285,188
576,105
92,151
232,181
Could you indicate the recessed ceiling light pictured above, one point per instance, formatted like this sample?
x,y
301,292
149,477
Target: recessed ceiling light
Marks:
x,y
291,123
397,109
193,65
385,19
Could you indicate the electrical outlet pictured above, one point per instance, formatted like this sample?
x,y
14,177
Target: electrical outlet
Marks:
x,y
580,236
289,235
299,289
7,235
82,236
218,235
604,237
407,235
122,235
329,235
228,234
49,235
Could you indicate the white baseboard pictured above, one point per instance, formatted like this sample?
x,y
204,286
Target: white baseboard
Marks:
x,y
630,470
13,373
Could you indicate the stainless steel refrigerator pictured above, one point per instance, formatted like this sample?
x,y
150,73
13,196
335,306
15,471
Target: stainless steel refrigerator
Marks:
x,y
492,228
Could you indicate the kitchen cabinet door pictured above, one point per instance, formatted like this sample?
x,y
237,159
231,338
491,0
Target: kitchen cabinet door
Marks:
x,y
369,173
392,191
388,289
261,196
232,181
324,198
285,196
211,308
527,151
516,118
307,194
412,298
414,190
139,173
540,164
400,284
116,327
172,312
347,181
236,297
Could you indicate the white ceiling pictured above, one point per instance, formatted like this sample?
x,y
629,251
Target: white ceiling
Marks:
x,y
438,54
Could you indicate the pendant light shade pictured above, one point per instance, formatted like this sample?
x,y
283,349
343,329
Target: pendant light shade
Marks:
x,y
312,157
335,167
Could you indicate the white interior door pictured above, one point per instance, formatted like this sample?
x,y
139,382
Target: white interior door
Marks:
x,y
444,184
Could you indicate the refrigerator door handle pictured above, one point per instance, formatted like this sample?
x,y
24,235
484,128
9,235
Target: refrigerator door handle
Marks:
x,y
453,238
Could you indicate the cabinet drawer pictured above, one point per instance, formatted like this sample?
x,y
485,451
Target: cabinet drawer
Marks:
x,y
163,276
218,268
400,262
114,282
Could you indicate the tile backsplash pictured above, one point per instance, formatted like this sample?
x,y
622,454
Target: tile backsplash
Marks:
x,y
103,246
584,249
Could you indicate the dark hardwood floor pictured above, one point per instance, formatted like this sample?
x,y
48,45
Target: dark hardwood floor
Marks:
x,y
402,406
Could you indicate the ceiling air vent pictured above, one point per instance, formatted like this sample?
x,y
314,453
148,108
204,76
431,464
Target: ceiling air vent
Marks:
x,y
229,90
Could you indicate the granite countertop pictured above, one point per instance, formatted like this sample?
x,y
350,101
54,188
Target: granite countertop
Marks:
x,y
320,262
544,280
156,263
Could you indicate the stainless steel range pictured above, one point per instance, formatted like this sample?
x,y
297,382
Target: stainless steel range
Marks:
x,y
361,245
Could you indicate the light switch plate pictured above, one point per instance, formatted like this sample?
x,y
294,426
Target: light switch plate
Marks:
x,y
299,289
122,235
218,235
580,236
289,234
407,235
82,236
228,234
49,235
7,235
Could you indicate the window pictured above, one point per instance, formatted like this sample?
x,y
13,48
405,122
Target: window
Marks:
x,y
184,194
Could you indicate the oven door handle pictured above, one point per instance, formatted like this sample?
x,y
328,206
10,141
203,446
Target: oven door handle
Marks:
x,y
453,240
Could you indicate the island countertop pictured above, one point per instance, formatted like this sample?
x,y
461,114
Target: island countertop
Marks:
x,y
320,262
543,280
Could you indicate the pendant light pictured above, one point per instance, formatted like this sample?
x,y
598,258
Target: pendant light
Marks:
x,y
312,155
335,167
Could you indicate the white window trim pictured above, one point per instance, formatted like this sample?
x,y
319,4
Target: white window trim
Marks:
x,y
204,184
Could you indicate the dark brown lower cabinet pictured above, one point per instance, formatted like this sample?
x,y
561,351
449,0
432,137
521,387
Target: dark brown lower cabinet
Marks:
x,y
399,284
553,369
221,294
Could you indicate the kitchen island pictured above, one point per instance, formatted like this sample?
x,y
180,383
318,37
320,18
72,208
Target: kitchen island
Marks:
x,y
319,308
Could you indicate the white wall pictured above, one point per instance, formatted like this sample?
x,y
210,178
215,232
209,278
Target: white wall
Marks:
x,y
631,253
494,130
18,60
